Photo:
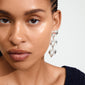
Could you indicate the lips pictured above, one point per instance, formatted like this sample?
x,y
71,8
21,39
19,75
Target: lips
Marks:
x,y
18,55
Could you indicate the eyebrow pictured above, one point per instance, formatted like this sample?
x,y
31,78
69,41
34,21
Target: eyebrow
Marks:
x,y
4,12
34,11
26,13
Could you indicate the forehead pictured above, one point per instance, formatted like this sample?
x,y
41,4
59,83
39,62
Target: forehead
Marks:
x,y
23,5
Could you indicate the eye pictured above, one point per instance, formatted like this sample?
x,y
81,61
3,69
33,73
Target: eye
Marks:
x,y
4,21
33,21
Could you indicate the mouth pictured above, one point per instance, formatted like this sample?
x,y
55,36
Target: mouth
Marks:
x,y
18,55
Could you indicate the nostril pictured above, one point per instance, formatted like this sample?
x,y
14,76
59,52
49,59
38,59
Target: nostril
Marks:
x,y
15,40
13,43
23,41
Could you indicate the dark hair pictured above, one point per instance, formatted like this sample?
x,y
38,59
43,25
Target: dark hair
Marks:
x,y
54,5
0,54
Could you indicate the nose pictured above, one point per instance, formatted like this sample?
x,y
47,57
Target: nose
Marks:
x,y
16,36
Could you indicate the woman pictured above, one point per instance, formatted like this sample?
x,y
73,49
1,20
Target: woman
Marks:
x,y
26,27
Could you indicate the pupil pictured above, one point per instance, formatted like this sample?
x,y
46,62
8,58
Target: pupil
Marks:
x,y
33,20
5,20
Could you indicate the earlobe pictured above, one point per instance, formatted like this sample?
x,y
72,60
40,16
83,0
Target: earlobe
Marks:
x,y
56,20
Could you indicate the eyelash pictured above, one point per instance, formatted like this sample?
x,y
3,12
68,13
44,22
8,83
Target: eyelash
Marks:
x,y
6,21
33,21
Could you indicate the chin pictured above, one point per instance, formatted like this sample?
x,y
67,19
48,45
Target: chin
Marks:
x,y
25,64
21,65
21,68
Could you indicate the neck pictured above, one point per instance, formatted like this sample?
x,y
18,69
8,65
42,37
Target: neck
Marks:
x,y
32,75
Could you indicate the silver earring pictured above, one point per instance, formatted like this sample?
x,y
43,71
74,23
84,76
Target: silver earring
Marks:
x,y
52,51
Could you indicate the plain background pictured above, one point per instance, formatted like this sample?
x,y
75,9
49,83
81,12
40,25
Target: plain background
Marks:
x,y
71,38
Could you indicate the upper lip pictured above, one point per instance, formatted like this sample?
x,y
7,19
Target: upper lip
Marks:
x,y
17,51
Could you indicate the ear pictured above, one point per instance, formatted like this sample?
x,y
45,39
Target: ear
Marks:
x,y
56,20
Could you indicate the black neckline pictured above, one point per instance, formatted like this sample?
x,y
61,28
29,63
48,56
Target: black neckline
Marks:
x,y
65,67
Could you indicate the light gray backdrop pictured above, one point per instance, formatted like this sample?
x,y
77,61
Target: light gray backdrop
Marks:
x,y
71,38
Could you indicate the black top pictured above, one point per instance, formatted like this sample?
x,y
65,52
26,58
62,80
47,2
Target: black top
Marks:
x,y
74,76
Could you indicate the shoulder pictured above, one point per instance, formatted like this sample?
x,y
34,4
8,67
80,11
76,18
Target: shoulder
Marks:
x,y
74,76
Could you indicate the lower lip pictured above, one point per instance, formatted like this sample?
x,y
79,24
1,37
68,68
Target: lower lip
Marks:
x,y
19,57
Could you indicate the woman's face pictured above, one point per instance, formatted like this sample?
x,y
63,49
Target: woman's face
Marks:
x,y
25,25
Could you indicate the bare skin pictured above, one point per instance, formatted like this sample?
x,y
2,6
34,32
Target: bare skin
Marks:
x,y
21,33
48,75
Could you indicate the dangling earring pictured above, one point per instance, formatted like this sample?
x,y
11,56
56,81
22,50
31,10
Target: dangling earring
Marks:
x,y
52,51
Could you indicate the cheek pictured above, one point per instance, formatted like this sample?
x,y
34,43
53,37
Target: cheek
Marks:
x,y
41,39
42,44
3,37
